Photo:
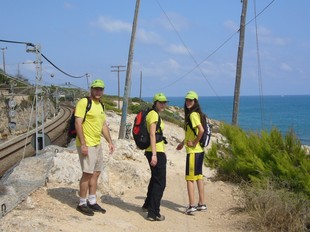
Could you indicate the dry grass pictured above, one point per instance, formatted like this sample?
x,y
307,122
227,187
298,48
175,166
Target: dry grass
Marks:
x,y
276,209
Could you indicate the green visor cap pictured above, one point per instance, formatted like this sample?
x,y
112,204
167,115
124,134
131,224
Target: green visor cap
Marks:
x,y
97,84
191,95
160,97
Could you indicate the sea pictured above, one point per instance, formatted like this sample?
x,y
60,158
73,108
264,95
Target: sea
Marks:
x,y
258,113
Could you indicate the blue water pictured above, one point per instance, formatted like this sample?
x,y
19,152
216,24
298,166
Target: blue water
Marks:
x,y
256,113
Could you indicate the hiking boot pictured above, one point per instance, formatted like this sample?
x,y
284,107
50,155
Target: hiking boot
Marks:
x,y
157,218
201,207
96,208
190,210
84,209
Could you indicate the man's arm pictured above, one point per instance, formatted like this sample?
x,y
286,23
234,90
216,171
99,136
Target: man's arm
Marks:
x,y
107,136
80,134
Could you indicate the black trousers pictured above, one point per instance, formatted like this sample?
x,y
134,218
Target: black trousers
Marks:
x,y
157,184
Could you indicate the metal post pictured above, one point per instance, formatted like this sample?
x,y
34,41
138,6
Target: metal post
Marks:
x,y
118,82
140,96
3,58
87,76
39,98
239,64
122,128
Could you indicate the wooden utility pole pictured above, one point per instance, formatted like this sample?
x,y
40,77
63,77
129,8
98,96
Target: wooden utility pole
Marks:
x,y
239,63
118,85
122,129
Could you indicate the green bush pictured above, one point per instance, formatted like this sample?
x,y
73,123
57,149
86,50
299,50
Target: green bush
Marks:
x,y
253,157
276,170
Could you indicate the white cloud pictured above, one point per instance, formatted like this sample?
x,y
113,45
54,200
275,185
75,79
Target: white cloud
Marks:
x,y
266,36
68,5
175,21
286,67
149,37
231,25
177,49
172,64
112,25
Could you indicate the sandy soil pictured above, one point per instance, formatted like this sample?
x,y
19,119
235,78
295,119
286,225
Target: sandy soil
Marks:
x,y
121,192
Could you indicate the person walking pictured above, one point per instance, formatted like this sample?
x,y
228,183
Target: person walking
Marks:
x,y
90,126
157,159
195,153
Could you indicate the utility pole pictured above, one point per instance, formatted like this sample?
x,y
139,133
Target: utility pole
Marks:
x,y
118,85
3,59
122,129
239,63
140,96
39,137
87,76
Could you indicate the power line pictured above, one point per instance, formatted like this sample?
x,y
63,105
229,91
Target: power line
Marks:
x,y
211,54
259,72
62,70
32,45
188,51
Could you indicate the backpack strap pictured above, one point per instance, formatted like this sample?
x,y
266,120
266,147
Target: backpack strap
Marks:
x,y
88,106
158,123
191,126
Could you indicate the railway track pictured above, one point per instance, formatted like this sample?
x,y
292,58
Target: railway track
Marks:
x,y
11,152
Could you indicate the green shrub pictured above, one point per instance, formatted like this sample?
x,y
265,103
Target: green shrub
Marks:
x,y
276,170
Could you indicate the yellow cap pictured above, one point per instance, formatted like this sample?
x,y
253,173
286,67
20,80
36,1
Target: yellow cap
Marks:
x,y
191,95
160,97
97,84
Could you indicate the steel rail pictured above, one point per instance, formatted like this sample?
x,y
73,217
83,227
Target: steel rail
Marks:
x,y
11,152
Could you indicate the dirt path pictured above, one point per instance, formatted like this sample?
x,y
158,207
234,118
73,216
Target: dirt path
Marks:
x,y
53,207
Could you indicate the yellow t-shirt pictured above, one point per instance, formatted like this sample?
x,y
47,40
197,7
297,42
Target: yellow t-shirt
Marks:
x,y
152,117
92,126
189,134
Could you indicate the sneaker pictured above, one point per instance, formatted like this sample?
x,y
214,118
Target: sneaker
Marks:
x,y
201,207
190,209
96,208
84,209
160,218
157,218
144,209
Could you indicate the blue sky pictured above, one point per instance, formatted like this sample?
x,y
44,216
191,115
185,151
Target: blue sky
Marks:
x,y
173,37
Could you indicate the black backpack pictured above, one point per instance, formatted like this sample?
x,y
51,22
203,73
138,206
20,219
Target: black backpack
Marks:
x,y
140,133
205,138
71,127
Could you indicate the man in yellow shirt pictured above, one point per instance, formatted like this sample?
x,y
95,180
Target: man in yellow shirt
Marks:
x,y
89,127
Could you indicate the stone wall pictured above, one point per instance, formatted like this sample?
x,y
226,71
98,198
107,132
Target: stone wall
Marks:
x,y
24,116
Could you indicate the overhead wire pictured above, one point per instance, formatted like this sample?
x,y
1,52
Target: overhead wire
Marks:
x,y
259,72
32,45
60,69
212,53
188,51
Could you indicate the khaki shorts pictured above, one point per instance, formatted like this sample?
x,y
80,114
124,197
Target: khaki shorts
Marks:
x,y
93,161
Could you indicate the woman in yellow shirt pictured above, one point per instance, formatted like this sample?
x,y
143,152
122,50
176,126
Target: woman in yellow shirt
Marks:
x,y
195,153
157,159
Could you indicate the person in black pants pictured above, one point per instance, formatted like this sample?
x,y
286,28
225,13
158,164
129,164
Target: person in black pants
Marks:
x,y
157,159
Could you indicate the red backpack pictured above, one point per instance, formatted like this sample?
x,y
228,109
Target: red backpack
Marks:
x,y
140,133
